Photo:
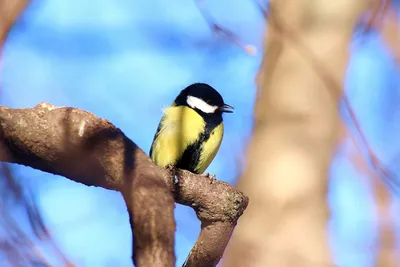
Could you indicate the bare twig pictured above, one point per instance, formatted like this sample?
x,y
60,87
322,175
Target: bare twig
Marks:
x,y
218,29
386,245
335,85
391,33
90,150
384,19
14,194
378,11
387,234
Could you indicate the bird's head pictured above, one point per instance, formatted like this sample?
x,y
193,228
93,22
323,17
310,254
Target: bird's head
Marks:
x,y
204,99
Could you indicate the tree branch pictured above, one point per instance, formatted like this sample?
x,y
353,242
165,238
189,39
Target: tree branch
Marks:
x,y
90,150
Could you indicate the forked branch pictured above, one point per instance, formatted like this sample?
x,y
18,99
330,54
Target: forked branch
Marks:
x,y
86,149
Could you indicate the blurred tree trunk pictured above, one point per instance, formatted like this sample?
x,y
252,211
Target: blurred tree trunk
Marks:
x,y
295,135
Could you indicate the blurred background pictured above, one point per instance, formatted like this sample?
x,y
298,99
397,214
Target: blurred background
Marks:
x,y
125,60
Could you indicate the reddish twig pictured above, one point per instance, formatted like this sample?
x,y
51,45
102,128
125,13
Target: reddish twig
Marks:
x,y
226,33
289,33
377,13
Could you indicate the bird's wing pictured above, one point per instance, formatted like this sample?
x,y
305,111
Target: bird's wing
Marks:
x,y
155,136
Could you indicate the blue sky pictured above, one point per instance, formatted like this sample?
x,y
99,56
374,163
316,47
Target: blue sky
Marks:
x,y
125,60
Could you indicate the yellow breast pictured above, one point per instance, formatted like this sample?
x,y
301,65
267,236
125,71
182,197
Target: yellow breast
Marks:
x,y
210,148
182,127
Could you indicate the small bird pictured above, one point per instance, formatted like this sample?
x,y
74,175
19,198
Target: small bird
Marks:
x,y
190,132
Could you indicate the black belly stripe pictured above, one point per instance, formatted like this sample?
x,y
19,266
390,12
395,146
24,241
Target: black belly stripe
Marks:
x,y
191,156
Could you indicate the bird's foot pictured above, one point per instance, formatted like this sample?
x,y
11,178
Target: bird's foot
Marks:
x,y
173,170
170,168
212,177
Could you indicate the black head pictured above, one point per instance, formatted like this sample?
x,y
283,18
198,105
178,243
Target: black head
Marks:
x,y
204,99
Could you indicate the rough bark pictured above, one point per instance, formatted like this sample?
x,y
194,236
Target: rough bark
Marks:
x,y
295,135
90,150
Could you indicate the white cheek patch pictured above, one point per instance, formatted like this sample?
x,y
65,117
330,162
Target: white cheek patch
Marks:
x,y
195,102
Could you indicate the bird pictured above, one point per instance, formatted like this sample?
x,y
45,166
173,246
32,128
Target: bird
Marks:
x,y
190,131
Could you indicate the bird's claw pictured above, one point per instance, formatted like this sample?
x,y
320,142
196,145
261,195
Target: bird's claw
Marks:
x,y
212,177
172,169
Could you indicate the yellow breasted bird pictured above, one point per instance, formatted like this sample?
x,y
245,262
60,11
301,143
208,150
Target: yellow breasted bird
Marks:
x,y
191,130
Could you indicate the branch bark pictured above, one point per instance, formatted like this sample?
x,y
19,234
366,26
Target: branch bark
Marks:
x,y
90,150
295,134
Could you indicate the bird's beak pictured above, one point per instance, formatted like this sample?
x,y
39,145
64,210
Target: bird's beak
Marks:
x,y
226,108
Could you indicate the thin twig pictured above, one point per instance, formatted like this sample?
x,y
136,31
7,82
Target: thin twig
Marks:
x,y
226,33
371,157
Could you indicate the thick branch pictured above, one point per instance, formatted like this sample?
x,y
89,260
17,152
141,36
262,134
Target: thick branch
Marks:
x,y
89,150
86,149
218,206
